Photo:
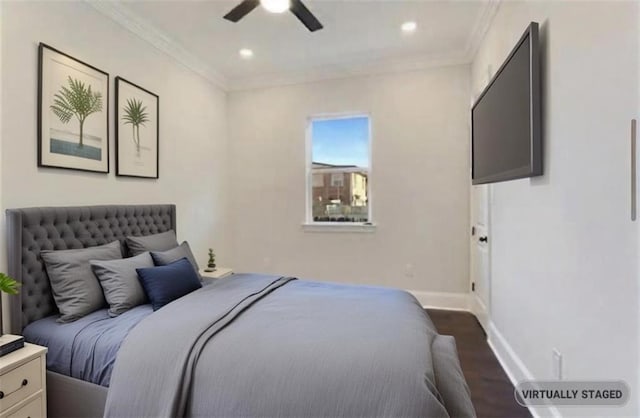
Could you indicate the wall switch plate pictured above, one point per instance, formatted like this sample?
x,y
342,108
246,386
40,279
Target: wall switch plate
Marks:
x,y
557,364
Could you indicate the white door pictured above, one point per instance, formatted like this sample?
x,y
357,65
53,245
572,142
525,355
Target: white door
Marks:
x,y
480,254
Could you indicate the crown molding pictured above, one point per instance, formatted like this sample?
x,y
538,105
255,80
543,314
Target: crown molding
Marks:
x,y
356,68
157,38
480,28
362,66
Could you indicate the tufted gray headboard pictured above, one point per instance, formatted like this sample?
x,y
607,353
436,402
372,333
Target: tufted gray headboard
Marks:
x,y
31,230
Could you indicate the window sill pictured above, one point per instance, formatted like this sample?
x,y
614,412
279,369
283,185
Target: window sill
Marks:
x,y
338,227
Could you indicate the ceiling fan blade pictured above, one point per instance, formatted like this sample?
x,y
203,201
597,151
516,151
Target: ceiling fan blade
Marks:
x,y
241,10
306,17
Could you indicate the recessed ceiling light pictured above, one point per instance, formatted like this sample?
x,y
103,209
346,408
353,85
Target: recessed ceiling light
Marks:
x,y
276,6
409,27
246,53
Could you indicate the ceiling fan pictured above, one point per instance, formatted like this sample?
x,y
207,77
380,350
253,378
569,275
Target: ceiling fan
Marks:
x,y
276,6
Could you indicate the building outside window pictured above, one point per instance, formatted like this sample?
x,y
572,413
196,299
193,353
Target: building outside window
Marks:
x,y
338,188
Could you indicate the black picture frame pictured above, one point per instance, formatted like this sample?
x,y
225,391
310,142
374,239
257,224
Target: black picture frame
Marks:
x,y
64,153
124,165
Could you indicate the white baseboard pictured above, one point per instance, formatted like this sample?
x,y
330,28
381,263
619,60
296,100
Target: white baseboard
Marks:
x,y
514,368
442,300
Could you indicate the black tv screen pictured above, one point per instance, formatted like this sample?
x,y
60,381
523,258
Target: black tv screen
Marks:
x,y
506,119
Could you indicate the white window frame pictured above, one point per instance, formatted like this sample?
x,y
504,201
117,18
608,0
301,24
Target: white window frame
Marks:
x,y
309,224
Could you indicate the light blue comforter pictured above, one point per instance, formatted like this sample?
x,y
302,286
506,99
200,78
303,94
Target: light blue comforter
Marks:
x,y
279,347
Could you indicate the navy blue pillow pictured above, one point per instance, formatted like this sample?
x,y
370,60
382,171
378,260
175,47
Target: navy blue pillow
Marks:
x,y
164,284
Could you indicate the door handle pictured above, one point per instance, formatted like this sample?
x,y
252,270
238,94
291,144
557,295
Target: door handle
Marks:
x,y
483,239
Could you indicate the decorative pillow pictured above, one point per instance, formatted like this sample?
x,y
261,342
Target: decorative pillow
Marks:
x,y
75,289
119,280
165,257
164,284
157,242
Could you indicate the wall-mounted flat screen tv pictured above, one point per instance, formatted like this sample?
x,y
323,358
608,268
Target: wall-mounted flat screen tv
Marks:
x,y
506,120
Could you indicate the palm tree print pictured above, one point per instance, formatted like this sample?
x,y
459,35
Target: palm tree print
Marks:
x,y
135,114
77,100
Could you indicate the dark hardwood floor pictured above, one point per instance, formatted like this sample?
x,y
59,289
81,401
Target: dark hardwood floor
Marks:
x,y
491,390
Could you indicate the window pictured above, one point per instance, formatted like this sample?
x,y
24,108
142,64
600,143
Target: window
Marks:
x,y
339,165
337,179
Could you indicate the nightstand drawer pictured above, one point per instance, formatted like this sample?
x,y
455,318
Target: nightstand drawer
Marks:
x,y
33,409
19,383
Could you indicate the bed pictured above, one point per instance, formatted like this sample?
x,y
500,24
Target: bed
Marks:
x,y
252,345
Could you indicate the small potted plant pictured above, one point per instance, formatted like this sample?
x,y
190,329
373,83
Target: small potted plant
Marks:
x,y
212,259
9,286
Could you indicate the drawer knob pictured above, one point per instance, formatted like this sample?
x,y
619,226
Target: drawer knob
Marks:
x,y
25,382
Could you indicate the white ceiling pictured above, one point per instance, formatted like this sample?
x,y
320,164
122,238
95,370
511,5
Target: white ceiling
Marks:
x,y
358,37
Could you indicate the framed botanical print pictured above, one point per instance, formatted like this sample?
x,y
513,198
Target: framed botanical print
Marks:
x,y
73,113
137,132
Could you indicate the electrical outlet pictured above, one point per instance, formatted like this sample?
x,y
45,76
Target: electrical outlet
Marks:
x,y
557,364
266,261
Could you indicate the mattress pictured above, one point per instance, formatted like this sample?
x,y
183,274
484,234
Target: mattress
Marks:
x,y
85,349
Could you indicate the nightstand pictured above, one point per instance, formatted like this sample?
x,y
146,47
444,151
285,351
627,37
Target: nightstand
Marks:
x,y
218,273
23,384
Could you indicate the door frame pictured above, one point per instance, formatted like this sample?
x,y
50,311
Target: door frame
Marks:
x,y
480,309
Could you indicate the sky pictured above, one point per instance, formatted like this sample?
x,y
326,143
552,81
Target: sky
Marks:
x,y
343,141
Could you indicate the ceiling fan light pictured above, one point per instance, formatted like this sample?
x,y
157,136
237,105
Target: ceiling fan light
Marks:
x,y
276,6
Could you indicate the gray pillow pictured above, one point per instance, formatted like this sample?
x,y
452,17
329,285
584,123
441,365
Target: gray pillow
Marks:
x,y
75,289
120,283
157,242
166,257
